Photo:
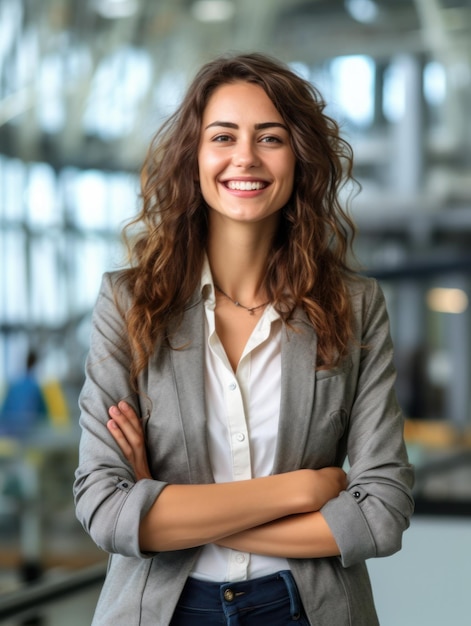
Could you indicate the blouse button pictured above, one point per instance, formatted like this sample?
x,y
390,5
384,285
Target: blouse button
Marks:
x,y
232,386
240,436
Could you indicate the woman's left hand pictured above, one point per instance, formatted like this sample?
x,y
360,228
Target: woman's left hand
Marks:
x,y
127,431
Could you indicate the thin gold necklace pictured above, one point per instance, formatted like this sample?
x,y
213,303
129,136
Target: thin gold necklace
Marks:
x,y
250,309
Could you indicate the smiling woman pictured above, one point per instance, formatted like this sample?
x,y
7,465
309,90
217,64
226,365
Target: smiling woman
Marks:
x,y
245,160
241,361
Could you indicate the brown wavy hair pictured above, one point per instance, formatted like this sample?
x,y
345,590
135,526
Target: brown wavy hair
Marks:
x,y
307,265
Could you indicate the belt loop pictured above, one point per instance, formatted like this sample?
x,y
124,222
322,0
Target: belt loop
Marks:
x,y
294,599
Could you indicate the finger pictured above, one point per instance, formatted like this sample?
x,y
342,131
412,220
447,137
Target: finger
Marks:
x,y
130,414
120,438
134,436
133,453
126,413
125,421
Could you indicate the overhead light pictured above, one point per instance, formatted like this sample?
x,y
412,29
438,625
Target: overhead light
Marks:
x,y
213,10
115,9
364,11
444,300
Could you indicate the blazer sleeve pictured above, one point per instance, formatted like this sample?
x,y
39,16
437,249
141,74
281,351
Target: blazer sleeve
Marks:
x,y
109,503
369,518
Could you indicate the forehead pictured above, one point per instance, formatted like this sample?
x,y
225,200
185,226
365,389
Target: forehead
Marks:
x,y
240,99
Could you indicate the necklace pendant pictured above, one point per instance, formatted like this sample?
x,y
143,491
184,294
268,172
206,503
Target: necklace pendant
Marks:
x,y
251,310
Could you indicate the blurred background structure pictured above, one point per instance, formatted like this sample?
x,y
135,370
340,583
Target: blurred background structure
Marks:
x,y
84,84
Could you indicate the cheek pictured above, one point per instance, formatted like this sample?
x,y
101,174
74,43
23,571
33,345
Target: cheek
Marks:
x,y
204,182
288,179
209,162
209,167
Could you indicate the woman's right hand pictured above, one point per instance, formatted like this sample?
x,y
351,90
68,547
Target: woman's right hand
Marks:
x,y
126,428
321,485
334,480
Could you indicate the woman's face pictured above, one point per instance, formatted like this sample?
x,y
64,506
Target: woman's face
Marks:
x,y
245,161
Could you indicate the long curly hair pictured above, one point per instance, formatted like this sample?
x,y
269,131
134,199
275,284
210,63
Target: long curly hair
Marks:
x,y
309,259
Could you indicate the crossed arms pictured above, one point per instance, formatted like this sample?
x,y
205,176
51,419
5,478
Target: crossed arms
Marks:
x,y
276,515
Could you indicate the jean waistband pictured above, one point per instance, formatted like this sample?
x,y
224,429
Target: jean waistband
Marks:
x,y
216,595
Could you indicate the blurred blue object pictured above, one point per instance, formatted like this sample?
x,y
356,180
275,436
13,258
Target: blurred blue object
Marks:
x,y
24,406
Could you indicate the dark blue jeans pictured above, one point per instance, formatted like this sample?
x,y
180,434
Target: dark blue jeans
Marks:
x,y
268,601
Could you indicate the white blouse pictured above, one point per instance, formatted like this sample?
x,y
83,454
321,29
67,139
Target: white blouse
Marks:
x,y
242,412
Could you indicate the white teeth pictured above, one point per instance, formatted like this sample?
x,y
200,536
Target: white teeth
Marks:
x,y
245,185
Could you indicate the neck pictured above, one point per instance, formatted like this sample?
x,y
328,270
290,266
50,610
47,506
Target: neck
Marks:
x,y
238,263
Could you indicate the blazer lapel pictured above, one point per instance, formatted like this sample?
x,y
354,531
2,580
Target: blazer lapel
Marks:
x,y
298,362
188,371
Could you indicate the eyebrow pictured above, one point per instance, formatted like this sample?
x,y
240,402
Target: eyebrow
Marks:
x,y
260,126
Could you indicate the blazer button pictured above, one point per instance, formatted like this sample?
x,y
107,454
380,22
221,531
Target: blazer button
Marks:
x,y
228,595
356,494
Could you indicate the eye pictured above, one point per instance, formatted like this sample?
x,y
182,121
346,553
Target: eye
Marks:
x,y
221,138
271,139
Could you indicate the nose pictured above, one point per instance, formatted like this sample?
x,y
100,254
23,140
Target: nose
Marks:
x,y
245,154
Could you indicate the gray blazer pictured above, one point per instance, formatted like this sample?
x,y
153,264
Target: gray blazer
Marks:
x,y
326,417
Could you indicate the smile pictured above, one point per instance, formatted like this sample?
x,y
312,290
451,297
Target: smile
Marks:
x,y
242,185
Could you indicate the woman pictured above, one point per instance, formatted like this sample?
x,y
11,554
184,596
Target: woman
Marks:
x,y
242,362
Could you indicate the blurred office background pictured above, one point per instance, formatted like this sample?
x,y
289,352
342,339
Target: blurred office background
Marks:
x,y
83,86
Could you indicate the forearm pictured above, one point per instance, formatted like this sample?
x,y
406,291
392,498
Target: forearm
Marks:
x,y
184,516
305,535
